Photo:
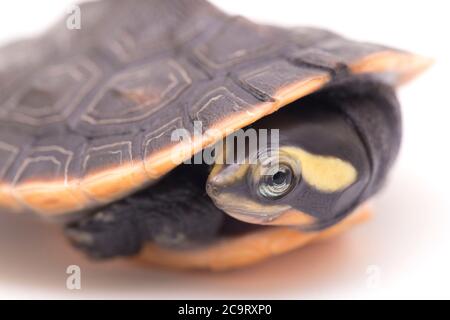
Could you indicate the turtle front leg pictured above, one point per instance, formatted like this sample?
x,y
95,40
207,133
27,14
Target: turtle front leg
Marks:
x,y
175,213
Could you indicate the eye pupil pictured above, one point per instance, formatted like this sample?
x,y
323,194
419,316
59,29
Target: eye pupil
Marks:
x,y
279,178
278,184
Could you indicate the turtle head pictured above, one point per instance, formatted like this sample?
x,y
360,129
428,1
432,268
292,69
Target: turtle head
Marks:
x,y
290,187
254,192
315,176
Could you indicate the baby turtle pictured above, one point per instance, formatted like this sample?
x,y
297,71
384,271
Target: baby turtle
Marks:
x,y
88,119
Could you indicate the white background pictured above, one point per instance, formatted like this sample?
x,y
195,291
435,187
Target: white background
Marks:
x,y
407,241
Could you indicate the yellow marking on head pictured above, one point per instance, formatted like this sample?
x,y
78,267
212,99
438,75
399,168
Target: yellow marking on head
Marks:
x,y
251,211
325,173
238,206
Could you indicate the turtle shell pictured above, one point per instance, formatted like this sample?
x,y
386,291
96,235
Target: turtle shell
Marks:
x,y
86,115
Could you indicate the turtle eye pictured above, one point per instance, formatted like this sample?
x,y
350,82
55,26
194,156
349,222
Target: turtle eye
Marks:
x,y
277,182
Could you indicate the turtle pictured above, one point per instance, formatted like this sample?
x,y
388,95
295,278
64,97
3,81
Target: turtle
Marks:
x,y
88,118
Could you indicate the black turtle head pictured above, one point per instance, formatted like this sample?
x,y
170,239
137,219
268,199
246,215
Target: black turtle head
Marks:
x,y
321,171
291,187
